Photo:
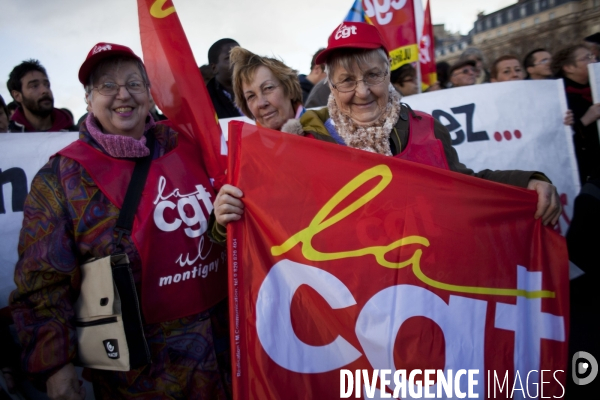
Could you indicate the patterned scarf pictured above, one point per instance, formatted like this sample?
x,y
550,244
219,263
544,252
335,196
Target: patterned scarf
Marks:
x,y
119,146
375,137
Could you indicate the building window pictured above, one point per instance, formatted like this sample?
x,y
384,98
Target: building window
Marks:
x,y
509,15
498,20
536,7
536,21
479,26
523,11
543,3
499,32
523,25
488,23
551,15
510,28
551,3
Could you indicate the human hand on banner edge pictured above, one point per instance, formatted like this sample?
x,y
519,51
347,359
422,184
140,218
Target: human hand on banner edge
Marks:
x,y
592,114
228,206
569,119
548,205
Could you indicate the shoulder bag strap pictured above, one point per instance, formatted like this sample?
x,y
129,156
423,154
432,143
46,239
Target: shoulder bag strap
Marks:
x,y
134,193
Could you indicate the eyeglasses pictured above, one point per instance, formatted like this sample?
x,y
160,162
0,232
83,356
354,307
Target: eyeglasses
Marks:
x,y
587,57
543,61
464,71
349,85
111,88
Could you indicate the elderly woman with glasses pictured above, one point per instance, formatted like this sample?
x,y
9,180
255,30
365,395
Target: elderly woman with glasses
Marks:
x,y
71,216
364,112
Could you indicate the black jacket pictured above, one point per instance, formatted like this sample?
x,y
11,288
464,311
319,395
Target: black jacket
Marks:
x,y
587,144
306,86
223,106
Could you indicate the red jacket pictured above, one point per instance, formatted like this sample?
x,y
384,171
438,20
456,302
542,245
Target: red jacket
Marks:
x,y
61,121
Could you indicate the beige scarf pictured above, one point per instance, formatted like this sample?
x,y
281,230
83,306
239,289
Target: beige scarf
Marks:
x,y
374,137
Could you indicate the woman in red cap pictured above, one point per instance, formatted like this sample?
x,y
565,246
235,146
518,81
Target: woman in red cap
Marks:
x,y
364,112
70,217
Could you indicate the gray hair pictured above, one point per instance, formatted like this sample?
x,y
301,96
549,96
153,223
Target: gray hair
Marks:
x,y
115,61
472,51
363,58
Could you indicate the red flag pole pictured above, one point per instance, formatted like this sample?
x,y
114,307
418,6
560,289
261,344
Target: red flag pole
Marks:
x,y
176,83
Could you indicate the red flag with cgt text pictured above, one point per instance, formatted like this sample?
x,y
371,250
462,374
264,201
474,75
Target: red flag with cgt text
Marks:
x,y
345,260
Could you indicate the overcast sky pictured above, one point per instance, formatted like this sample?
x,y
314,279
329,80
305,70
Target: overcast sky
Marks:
x,y
61,33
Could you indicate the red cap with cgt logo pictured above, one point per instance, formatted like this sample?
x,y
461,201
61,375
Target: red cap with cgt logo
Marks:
x,y
357,35
98,53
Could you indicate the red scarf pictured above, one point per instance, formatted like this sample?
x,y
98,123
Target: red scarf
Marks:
x,y
585,93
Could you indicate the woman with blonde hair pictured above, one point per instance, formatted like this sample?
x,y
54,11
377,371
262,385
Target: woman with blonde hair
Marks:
x,y
266,90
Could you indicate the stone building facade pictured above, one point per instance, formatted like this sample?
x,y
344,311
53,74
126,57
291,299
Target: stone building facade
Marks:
x,y
529,24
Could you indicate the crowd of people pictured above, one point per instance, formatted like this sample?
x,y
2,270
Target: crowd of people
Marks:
x,y
350,97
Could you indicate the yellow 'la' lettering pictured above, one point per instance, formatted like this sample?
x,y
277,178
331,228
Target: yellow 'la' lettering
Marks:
x,y
156,10
322,221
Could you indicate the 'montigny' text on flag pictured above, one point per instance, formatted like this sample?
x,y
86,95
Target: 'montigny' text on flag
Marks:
x,y
349,260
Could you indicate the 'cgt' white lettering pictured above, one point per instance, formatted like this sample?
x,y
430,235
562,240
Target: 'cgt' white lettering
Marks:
x,y
197,223
98,49
345,32
382,11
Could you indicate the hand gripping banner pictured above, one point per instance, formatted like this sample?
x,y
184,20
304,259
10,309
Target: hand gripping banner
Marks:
x,y
348,260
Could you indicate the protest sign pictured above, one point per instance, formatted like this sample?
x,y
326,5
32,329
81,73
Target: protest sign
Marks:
x,y
346,260
21,157
510,125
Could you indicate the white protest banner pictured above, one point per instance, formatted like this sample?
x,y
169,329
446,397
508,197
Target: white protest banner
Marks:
x,y
594,72
21,157
510,125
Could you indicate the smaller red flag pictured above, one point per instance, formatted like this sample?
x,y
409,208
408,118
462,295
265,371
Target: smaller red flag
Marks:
x,y
427,51
177,86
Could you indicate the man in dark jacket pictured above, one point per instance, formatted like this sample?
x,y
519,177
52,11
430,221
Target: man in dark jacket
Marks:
x,y
571,64
220,86
29,86
316,75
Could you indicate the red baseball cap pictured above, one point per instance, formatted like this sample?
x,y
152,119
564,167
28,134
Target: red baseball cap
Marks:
x,y
98,53
357,35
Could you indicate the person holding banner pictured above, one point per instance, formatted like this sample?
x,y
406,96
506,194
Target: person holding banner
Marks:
x,y
364,112
70,217
571,64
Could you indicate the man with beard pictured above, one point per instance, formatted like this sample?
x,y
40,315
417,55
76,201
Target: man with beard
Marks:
x,y
29,86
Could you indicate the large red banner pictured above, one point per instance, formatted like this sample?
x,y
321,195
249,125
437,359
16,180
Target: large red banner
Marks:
x,y
395,20
177,85
346,259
